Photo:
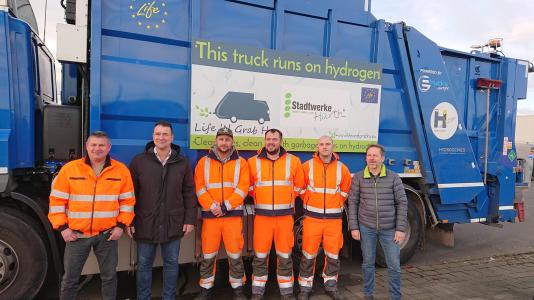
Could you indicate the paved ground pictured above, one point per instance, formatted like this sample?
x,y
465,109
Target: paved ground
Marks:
x,y
486,263
495,277
498,277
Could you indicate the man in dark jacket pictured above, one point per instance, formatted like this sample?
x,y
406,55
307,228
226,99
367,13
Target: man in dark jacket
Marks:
x,y
377,211
165,209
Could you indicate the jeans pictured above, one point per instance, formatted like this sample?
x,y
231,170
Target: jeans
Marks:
x,y
145,259
76,254
369,238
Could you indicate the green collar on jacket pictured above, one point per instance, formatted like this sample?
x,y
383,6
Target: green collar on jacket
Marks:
x,y
367,174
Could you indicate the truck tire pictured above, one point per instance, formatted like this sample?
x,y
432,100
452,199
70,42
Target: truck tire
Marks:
x,y
23,256
413,235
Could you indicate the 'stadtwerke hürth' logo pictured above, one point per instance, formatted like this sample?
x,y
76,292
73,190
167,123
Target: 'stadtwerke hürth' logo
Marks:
x,y
149,14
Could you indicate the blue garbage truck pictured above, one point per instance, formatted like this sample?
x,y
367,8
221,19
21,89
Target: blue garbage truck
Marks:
x,y
314,68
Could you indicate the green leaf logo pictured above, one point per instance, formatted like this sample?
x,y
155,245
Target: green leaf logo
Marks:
x,y
287,102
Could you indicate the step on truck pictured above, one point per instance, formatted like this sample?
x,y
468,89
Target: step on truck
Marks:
x,y
445,117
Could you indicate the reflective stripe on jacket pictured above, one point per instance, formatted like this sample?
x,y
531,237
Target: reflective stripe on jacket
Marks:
x,y
225,184
89,204
275,183
327,189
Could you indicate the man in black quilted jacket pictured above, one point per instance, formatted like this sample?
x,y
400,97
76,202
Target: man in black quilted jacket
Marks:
x,y
377,212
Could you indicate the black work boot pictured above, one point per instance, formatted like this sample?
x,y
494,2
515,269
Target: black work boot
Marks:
x,y
303,295
335,295
238,294
256,297
287,297
205,294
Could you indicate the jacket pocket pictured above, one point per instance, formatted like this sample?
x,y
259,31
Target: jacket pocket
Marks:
x,y
144,224
175,224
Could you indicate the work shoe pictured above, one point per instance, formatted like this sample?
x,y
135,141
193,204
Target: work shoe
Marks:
x,y
256,297
238,294
335,295
303,295
287,297
205,294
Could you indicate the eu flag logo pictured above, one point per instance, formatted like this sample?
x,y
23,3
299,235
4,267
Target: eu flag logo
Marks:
x,y
369,95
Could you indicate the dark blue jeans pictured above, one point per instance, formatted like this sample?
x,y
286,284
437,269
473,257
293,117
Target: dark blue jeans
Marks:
x,y
76,254
369,237
145,259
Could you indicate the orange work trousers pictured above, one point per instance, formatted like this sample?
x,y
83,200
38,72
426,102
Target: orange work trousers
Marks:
x,y
267,229
315,230
229,229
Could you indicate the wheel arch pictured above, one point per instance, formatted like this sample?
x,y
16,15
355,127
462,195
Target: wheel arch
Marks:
x,y
24,203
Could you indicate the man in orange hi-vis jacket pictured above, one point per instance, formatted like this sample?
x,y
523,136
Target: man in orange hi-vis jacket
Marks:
x,y
91,203
276,180
328,183
222,182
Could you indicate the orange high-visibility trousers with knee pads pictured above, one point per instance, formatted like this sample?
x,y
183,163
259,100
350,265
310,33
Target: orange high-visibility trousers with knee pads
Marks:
x,y
315,230
267,229
229,229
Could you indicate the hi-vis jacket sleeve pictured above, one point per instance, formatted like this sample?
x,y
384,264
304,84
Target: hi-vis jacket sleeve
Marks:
x,y
251,163
304,193
240,192
59,197
204,198
299,180
126,200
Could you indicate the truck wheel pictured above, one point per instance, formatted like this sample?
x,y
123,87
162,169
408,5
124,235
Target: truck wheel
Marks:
x,y
23,256
408,247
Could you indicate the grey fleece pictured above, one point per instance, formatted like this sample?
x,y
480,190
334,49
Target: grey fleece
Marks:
x,y
386,193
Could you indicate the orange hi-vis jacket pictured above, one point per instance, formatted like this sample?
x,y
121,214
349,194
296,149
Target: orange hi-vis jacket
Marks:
x,y
327,189
88,204
225,184
275,183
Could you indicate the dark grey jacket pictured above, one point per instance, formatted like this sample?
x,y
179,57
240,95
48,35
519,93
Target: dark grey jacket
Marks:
x,y
165,196
377,202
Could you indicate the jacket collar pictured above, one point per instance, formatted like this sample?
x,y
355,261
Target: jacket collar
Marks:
x,y
107,163
175,153
367,173
262,153
335,157
213,154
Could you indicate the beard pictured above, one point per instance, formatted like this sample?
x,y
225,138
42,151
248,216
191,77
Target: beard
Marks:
x,y
273,152
221,151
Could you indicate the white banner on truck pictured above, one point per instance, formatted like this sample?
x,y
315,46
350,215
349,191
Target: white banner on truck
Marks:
x,y
308,98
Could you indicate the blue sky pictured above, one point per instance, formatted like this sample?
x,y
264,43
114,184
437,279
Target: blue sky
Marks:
x,y
455,24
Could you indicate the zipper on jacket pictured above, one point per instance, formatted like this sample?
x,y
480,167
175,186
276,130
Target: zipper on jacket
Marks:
x,y
94,198
222,183
272,177
324,183
93,209
376,204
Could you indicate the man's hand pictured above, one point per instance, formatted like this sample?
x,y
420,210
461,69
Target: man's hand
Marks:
x,y
188,228
355,234
130,231
399,236
217,211
69,235
115,233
